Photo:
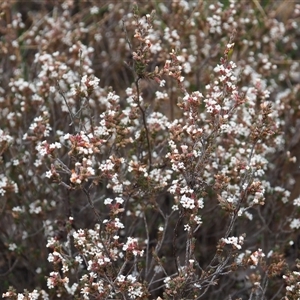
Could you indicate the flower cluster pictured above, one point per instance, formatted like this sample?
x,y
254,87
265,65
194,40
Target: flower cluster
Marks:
x,y
292,284
149,157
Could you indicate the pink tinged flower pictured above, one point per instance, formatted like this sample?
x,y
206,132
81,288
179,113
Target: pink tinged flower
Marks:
x,y
75,178
85,291
7,294
255,257
132,246
184,148
53,280
131,242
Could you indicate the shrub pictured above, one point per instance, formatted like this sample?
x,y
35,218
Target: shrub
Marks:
x,y
149,151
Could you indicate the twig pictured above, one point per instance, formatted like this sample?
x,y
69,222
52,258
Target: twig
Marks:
x,y
259,7
159,244
147,247
66,102
10,269
174,240
144,123
91,203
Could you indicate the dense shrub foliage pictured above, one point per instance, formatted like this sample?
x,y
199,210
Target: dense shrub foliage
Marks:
x,y
149,149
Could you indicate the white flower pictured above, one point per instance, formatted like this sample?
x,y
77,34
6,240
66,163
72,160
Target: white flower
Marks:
x,y
295,224
162,83
94,10
296,201
187,202
119,200
12,246
108,201
187,227
48,174
235,241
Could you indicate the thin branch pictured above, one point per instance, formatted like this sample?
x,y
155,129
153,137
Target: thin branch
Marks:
x,y
66,102
91,203
159,243
278,292
121,269
10,269
63,166
144,123
259,7
174,240
147,247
